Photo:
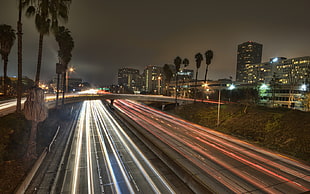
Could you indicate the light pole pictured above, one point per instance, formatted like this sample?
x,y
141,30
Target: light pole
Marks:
x,y
158,84
70,70
231,87
218,108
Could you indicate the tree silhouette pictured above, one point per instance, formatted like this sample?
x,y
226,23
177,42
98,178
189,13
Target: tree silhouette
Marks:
x,y
209,57
198,58
46,13
185,62
177,63
7,38
168,75
66,45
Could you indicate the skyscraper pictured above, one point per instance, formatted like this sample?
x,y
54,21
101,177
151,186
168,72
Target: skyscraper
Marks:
x,y
151,75
249,53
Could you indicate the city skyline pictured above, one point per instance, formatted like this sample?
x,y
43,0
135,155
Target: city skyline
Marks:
x,y
123,38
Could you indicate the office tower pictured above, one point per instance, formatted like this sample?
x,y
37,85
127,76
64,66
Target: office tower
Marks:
x,y
249,53
129,77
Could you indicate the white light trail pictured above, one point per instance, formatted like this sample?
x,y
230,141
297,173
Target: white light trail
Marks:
x,y
137,150
114,153
78,150
89,151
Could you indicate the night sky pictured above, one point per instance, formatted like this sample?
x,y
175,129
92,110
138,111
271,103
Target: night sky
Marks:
x,y
113,34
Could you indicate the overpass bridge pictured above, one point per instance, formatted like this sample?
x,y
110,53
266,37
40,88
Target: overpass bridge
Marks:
x,y
8,106
135,97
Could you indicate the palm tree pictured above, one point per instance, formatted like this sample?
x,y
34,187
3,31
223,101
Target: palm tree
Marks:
x,y
209,57
46,13
185,62
168,75
66,45
7,38
177,63
198,58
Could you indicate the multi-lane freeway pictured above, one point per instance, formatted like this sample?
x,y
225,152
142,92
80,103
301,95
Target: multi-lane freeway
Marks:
x,y
223,163
103,159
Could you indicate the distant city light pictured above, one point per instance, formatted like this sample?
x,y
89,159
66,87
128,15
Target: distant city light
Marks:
x,y
303,87
231,87
275,60
90,91
263,87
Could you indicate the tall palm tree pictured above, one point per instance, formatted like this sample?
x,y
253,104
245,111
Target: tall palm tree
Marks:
x,y
46,13
177,63
66,45
185,62
7,38
209,57
198,58
168,75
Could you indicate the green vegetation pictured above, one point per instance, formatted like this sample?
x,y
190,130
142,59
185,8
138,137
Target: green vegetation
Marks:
x,y
14,128
283,130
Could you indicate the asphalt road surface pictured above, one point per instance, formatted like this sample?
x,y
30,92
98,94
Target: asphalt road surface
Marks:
x,y
224,163
103,159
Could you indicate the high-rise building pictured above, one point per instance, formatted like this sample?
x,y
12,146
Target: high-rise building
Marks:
x,y
249,53
287,71
282,82
293,71
129,77
151,77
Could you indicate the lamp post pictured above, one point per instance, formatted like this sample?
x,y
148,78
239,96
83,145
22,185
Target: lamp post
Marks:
x,y
231,87
70,69
218,108
158,84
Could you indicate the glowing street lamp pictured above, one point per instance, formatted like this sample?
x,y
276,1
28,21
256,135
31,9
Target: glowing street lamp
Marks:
x,y
303,87
158,84
70,70
231,87
263,87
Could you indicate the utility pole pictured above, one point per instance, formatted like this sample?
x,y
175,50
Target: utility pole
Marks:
x,y
218,108
19,55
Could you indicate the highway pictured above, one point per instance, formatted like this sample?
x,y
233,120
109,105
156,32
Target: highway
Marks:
x,y
103,159
223,163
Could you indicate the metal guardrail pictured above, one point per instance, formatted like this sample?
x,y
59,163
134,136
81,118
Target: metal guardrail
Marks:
x,y
24,185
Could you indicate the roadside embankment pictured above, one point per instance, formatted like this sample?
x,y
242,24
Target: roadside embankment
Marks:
x,y
283,130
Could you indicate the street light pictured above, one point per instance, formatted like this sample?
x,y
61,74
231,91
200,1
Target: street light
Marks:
x,y
303,87
158,84
204,86
231,87
70,70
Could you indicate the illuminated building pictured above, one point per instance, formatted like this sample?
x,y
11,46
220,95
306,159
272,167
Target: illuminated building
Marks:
x,y
185,74
249,53
293,71
286,71
287,81
151,76
129,78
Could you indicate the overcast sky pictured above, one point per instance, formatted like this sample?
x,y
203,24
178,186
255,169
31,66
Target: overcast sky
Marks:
x,y
113,34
